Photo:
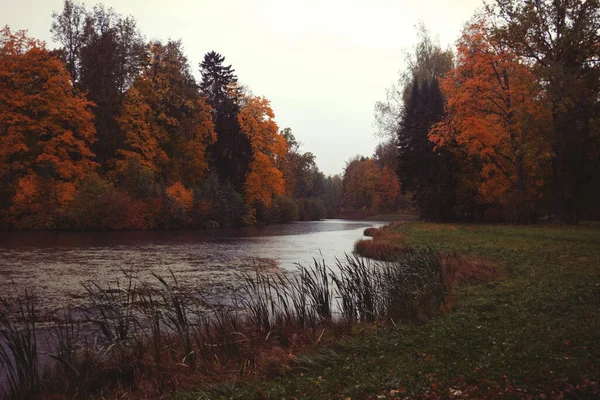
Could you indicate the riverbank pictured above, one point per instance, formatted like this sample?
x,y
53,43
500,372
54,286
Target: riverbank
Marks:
x,y
535,332
397,330
152,338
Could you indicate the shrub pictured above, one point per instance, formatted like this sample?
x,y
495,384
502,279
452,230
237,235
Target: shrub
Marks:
x,y
119,211
137,180
217,201
288,208
99,205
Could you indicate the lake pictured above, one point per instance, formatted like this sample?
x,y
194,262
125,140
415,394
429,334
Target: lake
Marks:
x,y
53,266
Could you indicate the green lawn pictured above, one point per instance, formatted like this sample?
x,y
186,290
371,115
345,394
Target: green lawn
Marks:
x,y
536,331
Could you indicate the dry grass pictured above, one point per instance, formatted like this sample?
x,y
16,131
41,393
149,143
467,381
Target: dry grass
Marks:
x,y
370,232
377,250
386,244
463,271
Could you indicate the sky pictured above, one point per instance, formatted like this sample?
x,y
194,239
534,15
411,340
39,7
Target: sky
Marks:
x,y
322,64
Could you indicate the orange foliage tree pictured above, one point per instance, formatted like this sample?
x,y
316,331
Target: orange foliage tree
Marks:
x,y
168,125
264,180
496,112
368,187
361,178
388,189
46,130
183,197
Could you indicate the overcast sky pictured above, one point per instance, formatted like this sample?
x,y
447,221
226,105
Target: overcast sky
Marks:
x,y
323,64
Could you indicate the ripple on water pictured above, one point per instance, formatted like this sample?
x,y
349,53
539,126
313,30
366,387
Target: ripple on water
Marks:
x,y
53,266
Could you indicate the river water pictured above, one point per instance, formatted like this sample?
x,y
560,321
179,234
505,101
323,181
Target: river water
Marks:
x,y
53,266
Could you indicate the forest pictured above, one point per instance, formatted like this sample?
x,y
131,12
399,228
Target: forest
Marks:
x,y
111,132
506,127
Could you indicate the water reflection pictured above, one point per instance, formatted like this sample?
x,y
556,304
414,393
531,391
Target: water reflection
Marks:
x,y
53,265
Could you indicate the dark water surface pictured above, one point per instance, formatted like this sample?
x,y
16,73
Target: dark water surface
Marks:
x,y
53,266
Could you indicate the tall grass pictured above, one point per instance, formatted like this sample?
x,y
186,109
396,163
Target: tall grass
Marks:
x,y
18,350
155,337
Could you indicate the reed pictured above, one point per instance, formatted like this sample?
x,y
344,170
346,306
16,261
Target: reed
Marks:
x,y
18,349
112,308
176,318
155,337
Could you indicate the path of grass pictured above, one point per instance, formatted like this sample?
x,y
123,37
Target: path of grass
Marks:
x,y
537,331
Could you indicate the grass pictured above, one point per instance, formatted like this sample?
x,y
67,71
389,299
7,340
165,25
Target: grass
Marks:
x,y
18,351
534,332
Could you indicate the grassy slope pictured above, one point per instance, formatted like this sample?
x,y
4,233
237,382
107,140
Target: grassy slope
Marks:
x,y
539,329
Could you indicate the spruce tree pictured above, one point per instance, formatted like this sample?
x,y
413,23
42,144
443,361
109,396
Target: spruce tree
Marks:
x,y
231,153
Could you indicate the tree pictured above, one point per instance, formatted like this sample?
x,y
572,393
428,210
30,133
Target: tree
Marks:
x,y
414,105
104,53
497,112
386,154
427,173
232,151
217,79
167,123
426,62
300,171
217,202
46,130
560,39
333,196
361,177
264,179
68,29
180,201
388,189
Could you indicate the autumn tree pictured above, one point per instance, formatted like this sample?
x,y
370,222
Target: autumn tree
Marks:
x,y
46,131
264,179
367,186
387,190
361,177
386,154
167,123
232,151
301,173
560,40
497,112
